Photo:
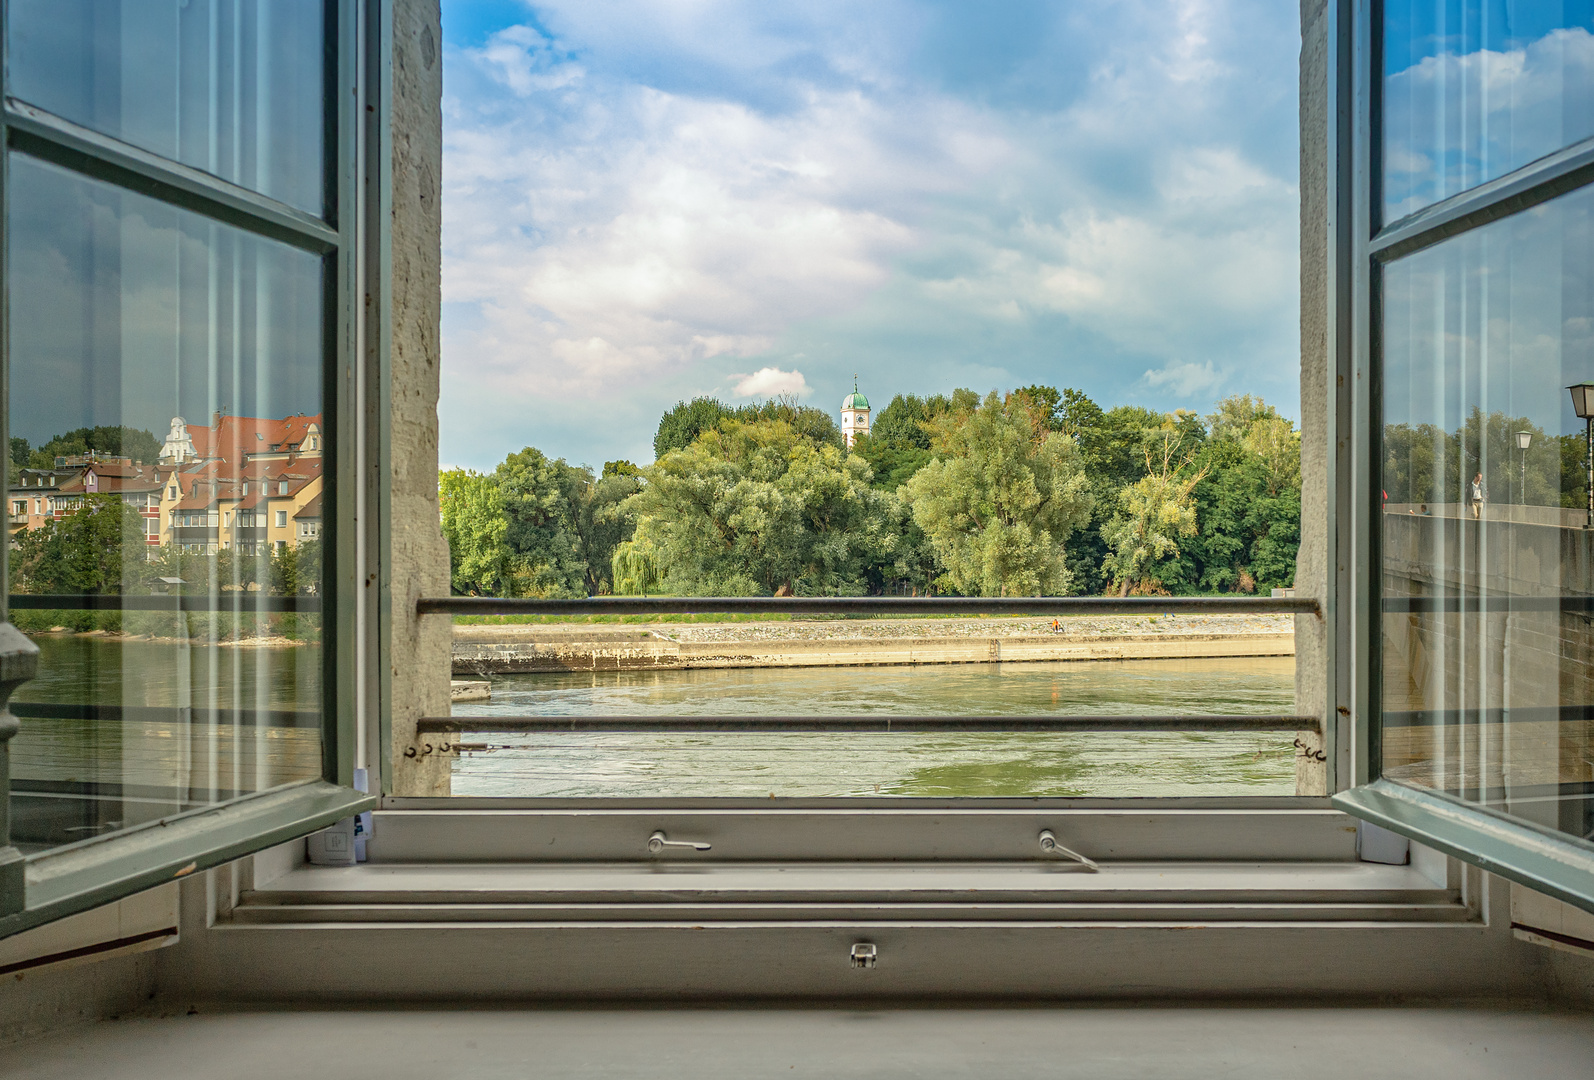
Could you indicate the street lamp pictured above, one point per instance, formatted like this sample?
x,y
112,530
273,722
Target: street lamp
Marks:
x,y
1524,440
1583,405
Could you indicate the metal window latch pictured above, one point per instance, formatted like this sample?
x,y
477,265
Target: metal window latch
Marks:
x,y
658,842
864,954
1050,846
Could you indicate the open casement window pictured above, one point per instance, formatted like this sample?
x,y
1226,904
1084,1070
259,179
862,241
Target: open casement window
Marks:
x,y
183,207
1464,313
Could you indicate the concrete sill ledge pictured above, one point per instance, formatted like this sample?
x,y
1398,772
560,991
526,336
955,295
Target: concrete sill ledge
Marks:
x,y
1161,893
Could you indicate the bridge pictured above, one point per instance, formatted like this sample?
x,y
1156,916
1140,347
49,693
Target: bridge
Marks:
x,y
1488,656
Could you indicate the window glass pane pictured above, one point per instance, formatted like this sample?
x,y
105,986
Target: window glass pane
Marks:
x,y
164,370
234,87
1485,479
1474,90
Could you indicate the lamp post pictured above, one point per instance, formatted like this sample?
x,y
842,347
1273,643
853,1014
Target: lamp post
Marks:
x,y
1524,440
1583,405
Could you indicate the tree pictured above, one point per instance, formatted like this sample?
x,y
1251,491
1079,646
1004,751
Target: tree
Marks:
x,y
98,548
1236,413
541,499
749,508
600,522
296,570
638,563
681,426
475,525
1154,513
898,443
998,501
107,441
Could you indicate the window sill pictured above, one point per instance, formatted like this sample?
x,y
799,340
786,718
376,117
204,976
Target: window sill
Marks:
x,y
1162,893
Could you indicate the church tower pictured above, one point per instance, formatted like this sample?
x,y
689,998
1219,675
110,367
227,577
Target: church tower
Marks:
x,y
854,415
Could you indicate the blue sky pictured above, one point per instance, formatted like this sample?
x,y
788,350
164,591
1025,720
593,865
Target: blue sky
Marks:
x,y
645,201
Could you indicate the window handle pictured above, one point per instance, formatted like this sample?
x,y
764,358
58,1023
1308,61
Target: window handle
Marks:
x,y
658,842
1050,846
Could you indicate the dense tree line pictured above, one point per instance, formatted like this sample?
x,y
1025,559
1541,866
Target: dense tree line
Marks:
x,y
1036,492
106,441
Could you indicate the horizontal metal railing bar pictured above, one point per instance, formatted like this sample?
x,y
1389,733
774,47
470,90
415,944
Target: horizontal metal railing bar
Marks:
x,y
289,718
866,724
1534,183
46,135
1522,714
871,605
242,603
1475,604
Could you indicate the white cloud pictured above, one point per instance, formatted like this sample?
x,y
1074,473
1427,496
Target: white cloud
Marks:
x,y
524,61
638,232
770,382
1185,379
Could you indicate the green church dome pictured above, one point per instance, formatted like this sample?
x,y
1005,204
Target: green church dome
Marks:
x,y
855,400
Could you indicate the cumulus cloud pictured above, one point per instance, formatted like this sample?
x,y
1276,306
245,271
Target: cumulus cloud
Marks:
x,y
1185,379
770,382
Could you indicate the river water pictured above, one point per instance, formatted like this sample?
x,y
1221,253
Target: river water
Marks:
x,y
805,765
164,753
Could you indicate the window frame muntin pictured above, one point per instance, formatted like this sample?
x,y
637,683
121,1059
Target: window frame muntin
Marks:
x,y
1519,851
209,836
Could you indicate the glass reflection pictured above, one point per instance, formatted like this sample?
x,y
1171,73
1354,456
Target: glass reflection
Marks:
x,y
1474,90
167,438
1488,565
233,87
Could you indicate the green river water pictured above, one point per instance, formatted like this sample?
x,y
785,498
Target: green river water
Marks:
x,y
807,765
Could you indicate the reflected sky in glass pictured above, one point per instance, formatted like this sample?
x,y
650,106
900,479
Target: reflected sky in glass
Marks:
x,y
233,87
128,311
1475,90
1499,319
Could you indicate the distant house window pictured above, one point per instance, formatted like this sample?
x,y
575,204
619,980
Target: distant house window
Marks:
x,y
279,545
282,519
171,492
282,487
315,442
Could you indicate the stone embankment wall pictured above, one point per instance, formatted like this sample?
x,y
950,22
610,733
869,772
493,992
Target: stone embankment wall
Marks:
x,y
483,650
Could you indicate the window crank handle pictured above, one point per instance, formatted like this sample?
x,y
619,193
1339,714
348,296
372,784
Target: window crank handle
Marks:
x,y
1050,846
658,842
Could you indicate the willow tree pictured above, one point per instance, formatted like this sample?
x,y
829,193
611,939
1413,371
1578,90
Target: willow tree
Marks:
x,y
752,508
998,501
1155,513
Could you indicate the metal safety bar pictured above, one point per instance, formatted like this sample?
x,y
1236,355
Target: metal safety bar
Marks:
x,y
865,724
872,605
241,603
